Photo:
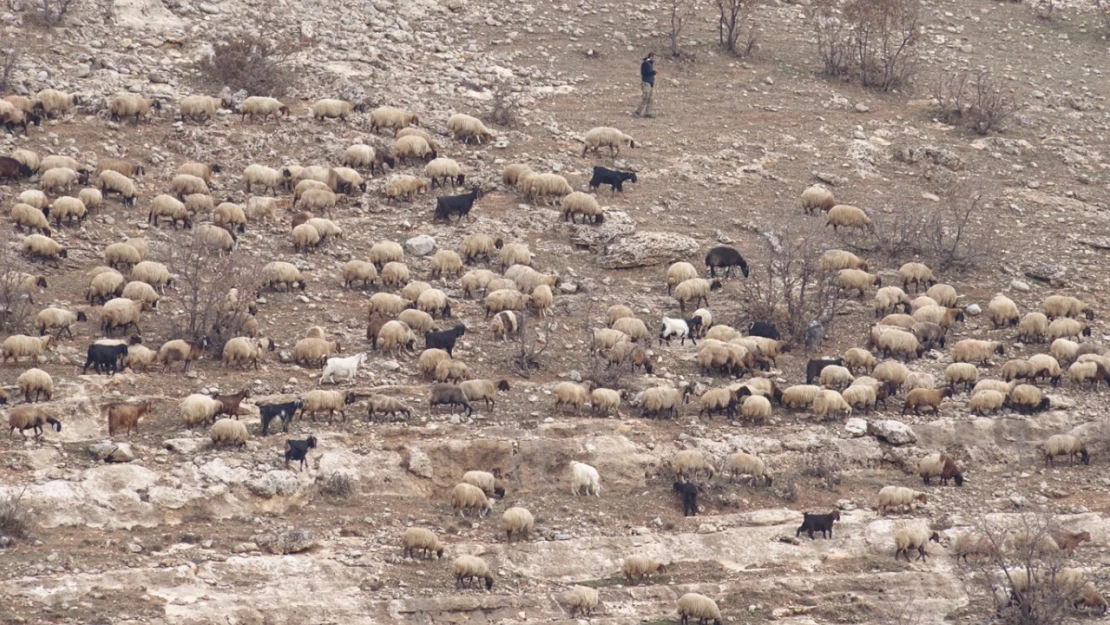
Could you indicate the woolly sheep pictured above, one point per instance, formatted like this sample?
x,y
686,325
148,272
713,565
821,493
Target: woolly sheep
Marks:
x,y
973,350
571,394
698,606
152,273
216,237
60,179
1062,445
514,254
27,216
33,197
314,351
901,344
263,106
584,477
908,538
17,346
985,401
835,260
691,461
412,147
512,173
387,303
899,497
419,539
1032,327
505,299
943,294
918,398
848,217
828,401
1046,366
105,284
696,289
944,317
479,245
381,404
51,318
418,132
741,463
434,301
939,465
605,137
817,198
305,238
1060,328
198,408
861,359
469,497
446,261
120,313
800,395
283,273
898,320
260,175
465,128
1003,311
547,186
142,292
961,373
581,599
1088,371
404,185
228,214
327,108
115,182
200,170
922,301
857,280
444,171
862,395
201,106
471,568
390,117
1065,306
30,418
920,379
887,298
418,320
54,101
394,336
229,431
452,371
35,381
244,350
678,273
639,566
327,401
125,105
517,520
579,203
1064,350
916,273
836,377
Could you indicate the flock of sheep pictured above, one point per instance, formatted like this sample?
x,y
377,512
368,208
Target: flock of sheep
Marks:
x,y
404,311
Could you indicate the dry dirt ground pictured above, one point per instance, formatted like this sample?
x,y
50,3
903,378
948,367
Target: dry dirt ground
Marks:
x,y
175,536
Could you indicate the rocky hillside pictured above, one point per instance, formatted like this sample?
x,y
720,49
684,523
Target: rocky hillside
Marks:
x,y
162,527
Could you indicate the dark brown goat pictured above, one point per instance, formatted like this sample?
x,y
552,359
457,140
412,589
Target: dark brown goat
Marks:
x,y
125,416
231,402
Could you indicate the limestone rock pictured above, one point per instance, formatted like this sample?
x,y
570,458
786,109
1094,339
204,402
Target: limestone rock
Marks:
x,y
644,249
892,431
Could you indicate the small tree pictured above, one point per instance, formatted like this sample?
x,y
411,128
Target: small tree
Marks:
x,y
526,359
945,235
205,276
15,300
8,58
869,40
734,20
503,105
833,42
679,14
257,63
973,99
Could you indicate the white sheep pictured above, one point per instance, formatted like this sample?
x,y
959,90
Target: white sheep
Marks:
x,y
328,108
390,117
35,381
124,105
816,198
198,408
605,137
583,476
700,607
848,217
908,538
263,106
517,520
696,290
582,600
465,128
899,497
469,497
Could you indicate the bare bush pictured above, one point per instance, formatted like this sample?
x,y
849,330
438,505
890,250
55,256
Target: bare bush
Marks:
x,y
526,358
790,291
952,233
256,63
49,14
826,467
503,106
15,301
974,100
205,276
734,20
871,41
338,485
680,13
8,58
15,518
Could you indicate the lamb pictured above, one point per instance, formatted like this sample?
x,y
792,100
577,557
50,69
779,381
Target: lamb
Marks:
x,y
115,182
724,257
17,346
835,260
342,367
857,280
918,274
419,539
50,318
961,373
465,128
939,465
263,106
1065,306
615,179
450,395
314,352
380,404
691,461
35,381
1060,328
972,350
641,566
198,408
848,217
124,417
413,147
899,497
823,523
390,117
30,418
700,607
125,105
908,538
605,137
519,520
329,401
816,198
696,289
985,401
918,398
1065,445
229,431
469,497
298,451
584,477
1003,311
282,273
471,568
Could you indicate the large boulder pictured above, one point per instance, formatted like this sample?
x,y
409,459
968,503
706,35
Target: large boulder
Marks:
x,y
893,432
644,249
420,245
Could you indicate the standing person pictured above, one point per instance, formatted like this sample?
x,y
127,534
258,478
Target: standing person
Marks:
x,y
647,85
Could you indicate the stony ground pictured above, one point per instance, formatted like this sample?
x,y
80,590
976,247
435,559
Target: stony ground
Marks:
x,y
187,534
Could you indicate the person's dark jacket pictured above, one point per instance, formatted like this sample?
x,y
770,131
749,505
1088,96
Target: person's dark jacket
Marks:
x,y
647,72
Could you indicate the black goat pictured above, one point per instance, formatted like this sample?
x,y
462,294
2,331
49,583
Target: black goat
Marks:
x,y
814,367
451,395
818,523
689,493
104,357
13,169
298,450
615,179
444,339
447,205
764,329
283,411
726,258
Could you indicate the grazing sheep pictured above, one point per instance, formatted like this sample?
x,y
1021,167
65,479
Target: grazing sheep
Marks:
x,y
30,418
584,477
939,465
973,350
899,497
466,128
1032,327
199,106
27,216
1002,311
1027,399
115,182
724,257
198,408
390,117
986,401
514,254
918,274
512,173
756,408
961,373
18,346
900,344
35,381
124,105
888,298
639,566
229,431
848,217
836,377
505,299
381,404
741,463
328,108
1065,445
828,401
1065,306
700,607
691,461
660,400
697,290
314,352
678,273
816,198
245,351
918,398
1060,328
471,568
857,280
861,359
579,203
943,295
582,600
327,401
51,318
282,273
419,539
908,538
605,137
434,301
520,521
571,394
835,260
39,246
263,106
469,497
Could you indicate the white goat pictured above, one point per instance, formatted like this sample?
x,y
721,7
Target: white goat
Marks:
x,y
675,328
342,367
585,477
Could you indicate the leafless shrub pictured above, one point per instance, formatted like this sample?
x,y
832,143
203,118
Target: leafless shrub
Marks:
x,y
790,291
973,99
871,41
8,58
338,485
734,20
503,106
15,519
824,466
680,11
255,62
15,305
526,359
205,276
952,233
786,488
49,14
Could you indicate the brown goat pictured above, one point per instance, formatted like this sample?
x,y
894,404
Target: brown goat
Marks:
x,y
231,402
125,417
1069,541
